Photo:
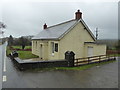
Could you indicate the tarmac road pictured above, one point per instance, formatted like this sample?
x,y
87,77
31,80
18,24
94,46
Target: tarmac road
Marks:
x,y
1,66
104,76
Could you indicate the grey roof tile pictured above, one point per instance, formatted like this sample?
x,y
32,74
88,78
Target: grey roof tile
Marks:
x,y
59,30
54,32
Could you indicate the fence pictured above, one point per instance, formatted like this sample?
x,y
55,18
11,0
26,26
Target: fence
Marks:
x,y
93,59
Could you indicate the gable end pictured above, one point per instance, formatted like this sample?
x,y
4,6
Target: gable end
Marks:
x,y
83,23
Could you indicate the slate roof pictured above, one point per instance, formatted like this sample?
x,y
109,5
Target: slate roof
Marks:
x,y
56,32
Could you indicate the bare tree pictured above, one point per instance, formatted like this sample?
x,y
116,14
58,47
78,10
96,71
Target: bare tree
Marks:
x,y
2,25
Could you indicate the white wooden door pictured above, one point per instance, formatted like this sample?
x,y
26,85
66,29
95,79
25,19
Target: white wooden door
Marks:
x,y
90,51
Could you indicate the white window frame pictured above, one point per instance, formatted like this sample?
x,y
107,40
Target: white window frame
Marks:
x,y
56,47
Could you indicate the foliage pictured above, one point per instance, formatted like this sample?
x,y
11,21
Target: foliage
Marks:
x,y
21,41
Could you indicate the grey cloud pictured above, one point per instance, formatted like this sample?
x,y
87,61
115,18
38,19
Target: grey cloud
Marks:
x,y
28,18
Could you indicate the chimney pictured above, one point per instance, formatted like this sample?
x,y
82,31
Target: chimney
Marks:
x,y
45,26
78,15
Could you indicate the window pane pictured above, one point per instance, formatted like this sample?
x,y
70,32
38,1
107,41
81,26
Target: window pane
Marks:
x,y
56,47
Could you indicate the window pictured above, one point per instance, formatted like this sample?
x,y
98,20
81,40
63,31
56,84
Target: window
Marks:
x,y
52,44
56,47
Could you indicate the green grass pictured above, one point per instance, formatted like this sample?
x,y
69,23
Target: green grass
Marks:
x,y
26,55
84,67
116,55
22,54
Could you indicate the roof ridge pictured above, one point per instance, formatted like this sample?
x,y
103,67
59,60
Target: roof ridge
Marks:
x,y
61,23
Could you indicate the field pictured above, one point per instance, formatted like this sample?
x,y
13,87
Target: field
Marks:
x,y
23,54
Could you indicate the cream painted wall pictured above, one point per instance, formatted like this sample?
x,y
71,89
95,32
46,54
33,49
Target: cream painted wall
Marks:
x,y
74,41
98,49
36,48
52,56
46,49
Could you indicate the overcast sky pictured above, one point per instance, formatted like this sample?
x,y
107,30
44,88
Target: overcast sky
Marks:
x,y
27,18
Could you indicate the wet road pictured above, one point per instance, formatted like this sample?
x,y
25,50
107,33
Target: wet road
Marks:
x,y
105,76
1,66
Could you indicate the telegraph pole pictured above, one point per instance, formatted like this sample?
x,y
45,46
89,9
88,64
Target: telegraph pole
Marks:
x,y
96,33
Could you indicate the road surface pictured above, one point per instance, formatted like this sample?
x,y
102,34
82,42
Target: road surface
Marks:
x,y
1,66
104,76
2,63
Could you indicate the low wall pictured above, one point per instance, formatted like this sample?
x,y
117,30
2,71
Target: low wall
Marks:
x,y
21,65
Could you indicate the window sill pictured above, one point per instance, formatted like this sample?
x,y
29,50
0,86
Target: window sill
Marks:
x,y
52,54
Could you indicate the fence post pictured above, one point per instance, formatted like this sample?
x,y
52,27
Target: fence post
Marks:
x,y
108,57
114,57
70,57
99,58
77,62
88,60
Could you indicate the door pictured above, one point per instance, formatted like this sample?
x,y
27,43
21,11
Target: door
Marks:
x,y
41,51
90,51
